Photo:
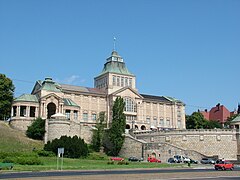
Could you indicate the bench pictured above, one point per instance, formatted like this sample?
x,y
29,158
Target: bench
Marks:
x,y
6,166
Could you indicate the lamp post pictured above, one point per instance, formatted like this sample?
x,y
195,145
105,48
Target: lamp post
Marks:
x,y
133,123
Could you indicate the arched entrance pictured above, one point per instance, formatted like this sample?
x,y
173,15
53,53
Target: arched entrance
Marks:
x,y
127,126
51,109
143,127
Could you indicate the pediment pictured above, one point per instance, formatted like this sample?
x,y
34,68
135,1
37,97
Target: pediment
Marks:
x,y
127,92
51,96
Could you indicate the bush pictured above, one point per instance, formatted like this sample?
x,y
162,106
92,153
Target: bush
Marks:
x,y
29,161
21,158
37,129
9,160
43,153
122,163
110,162
97,156
74,147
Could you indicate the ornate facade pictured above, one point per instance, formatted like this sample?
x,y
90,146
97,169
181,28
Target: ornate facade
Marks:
x,y
81,105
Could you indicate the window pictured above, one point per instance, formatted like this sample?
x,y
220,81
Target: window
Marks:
x,y
130,105
23,110
32,111
130,82
148,119
114,80
126,81
67,113
94,117
130,118
85,116
122,81
178,113
161,122
168,122
155,121
14,110
118,81
179,123
75,114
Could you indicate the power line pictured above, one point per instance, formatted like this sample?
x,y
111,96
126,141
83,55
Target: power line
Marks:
x,y
23,81
187,105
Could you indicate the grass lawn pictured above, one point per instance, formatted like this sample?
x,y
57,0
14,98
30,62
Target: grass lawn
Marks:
x,y
50,163
14,141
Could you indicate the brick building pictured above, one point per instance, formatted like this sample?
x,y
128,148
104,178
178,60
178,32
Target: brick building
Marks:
x,y
218,113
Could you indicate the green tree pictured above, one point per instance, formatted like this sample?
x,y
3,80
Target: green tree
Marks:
x,y
211,124
117,129
74,147
37,129
229,120
195,121
6,96
97,137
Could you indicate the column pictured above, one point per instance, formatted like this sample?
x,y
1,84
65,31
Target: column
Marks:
x,y
28,111
36,112
18,111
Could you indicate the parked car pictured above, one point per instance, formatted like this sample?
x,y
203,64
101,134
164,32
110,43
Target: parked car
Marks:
x,y
192,161
207,161
179,158
133,158
224,165
116,159
186,160
171,160
153,159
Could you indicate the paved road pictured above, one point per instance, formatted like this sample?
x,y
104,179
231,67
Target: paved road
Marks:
x,y
126,174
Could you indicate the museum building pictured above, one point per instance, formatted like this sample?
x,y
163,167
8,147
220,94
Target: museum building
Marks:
x,y
82,105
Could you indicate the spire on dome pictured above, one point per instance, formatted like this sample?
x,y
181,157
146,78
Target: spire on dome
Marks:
x,y
114,43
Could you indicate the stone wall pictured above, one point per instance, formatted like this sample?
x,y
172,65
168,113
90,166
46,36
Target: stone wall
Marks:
x,y
21,124
57,128
132,147
86,133
193,143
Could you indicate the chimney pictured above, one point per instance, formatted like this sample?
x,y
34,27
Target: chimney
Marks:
x,y
218,105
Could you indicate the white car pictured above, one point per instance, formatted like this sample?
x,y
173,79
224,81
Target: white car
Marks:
x,y
186,159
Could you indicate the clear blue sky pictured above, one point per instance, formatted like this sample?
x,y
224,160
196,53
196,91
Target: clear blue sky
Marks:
x,y
187,49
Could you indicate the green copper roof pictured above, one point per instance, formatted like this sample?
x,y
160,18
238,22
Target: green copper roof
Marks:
x,y
236,119
69,102
115,64
27,97
172,99
49,85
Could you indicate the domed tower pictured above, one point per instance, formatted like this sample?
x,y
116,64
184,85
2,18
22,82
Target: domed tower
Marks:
x,y
114,75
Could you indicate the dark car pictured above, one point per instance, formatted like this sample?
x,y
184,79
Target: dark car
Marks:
x,y
207,161
133,158
171,160
192,161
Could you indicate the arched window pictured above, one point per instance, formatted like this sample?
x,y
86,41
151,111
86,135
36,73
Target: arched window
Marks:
x,y
127,126
130,105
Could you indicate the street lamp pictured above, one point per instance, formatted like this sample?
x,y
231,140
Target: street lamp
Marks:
x,y
133,123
